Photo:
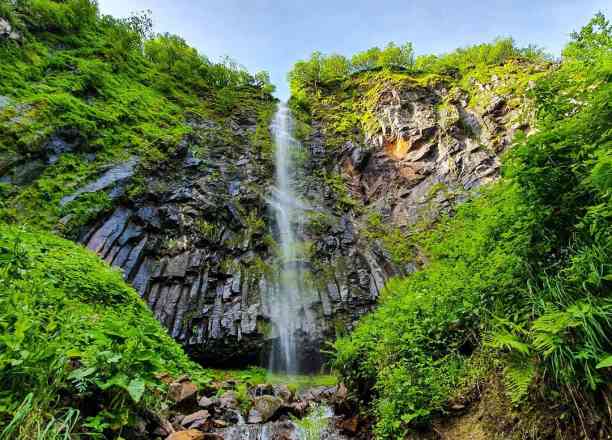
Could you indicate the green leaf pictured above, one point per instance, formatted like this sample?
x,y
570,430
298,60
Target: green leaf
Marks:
x,y
605,362
136,389
82,373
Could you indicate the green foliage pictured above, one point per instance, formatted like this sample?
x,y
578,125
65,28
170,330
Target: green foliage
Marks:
x,y
110,89
522,269
392,239
71,326
498,52
390,56
312,426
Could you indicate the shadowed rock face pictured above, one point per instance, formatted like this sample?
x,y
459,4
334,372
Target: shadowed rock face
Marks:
x,y
189,246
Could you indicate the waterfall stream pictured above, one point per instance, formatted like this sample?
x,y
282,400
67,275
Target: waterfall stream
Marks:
x,y
287,298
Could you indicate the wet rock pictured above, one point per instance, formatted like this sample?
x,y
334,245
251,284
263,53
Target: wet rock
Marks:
x,y
24,173
350,425
196,419
191,434
264,389
7,31
265,407
228,400
110,178
283,392
206,402
218,423
55,147
254,416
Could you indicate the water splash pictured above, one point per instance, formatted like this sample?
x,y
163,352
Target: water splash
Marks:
x,y
287,296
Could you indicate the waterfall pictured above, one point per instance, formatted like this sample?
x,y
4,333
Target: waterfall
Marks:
x,y
287,298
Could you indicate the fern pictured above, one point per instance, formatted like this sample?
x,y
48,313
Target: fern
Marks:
x,y
518,376
507,341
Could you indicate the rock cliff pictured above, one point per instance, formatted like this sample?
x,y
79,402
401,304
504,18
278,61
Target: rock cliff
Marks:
x,y
193,234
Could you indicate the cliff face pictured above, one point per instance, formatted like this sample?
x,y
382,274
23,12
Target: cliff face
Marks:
x,y
188,224
198,246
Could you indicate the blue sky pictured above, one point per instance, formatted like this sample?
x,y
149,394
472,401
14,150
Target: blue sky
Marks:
x,y
272,34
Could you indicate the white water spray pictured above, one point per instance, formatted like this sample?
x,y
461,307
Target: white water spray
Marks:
x,y
286,300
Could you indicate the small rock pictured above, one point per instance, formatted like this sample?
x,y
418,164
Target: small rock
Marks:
x,y
198,416
228,400
341,392
164,377
182,392
190,434
218,423
254,416
298,408
263,389
206,402
457,407
7,31
283,392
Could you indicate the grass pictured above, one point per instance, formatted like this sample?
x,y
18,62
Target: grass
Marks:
x,y
258,375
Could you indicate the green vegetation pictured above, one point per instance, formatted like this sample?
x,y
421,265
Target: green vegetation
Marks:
x,y
312,426
321,71
519,280
395,242
78,346
108,89
345,95
79,350
258,375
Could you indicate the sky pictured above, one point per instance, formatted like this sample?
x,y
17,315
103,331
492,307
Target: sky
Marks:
x,y
272,34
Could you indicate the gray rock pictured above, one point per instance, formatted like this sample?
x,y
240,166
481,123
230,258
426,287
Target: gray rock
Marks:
x,y
265,407
111,177
7,31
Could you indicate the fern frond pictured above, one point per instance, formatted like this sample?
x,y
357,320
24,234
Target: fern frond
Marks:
x,y
518,376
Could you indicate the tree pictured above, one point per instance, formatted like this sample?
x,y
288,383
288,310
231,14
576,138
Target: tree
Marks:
x,y
592,41
141,23
333,67
365,60
262,80
398,56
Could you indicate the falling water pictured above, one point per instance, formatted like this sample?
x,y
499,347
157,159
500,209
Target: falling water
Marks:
x,y
286,301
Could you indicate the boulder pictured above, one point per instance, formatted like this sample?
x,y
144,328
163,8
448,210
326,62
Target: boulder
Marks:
x,y
282,391
183,392
228,400
265,407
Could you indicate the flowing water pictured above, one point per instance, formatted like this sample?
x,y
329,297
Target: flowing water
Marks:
x,y
287,296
